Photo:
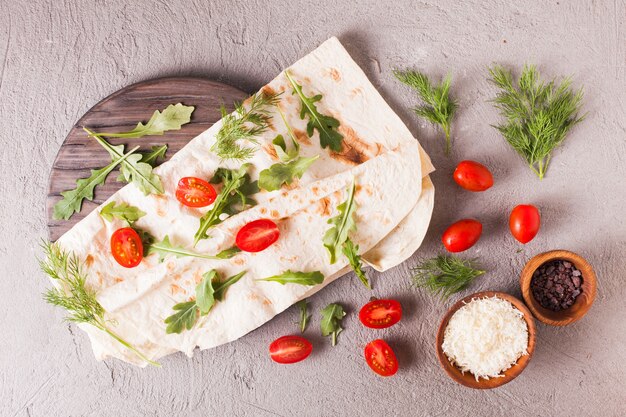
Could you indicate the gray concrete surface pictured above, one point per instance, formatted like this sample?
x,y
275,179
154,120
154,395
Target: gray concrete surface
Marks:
x,y
57,58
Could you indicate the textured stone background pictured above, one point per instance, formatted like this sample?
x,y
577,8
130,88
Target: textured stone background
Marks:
x,y
58,58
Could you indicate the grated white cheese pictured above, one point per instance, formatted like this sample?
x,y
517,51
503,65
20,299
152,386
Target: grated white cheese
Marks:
x,y
486,337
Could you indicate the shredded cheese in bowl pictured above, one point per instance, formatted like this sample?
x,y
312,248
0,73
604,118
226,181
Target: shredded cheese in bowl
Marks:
x,y
486,337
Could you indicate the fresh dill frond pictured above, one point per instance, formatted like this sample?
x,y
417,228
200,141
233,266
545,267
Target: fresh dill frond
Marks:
x,y
445,275
72,294
438,108
539,114
241,127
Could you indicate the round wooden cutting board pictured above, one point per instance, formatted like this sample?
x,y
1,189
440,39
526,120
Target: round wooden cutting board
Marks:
x,y
119,112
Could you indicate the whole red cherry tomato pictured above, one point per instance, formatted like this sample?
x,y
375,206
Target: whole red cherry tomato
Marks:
x,y
462,235
524,222
473,176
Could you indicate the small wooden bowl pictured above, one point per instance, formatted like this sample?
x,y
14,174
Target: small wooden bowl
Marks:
x,y
583,301
467,379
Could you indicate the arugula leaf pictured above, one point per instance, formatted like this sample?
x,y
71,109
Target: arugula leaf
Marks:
x,y
304,315
331,321
122,211
292,165
233,198
326,125
165,247
151,158
297,277
185,317
274,177
221,287
208,292
73,199
343,224
351,251
140,173
171,118
205,293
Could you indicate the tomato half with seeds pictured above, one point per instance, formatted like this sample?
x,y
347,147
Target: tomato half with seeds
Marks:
x,y
380,357
257,235
380,314
126,247
195,192
524,222
473,176
462,235
290,349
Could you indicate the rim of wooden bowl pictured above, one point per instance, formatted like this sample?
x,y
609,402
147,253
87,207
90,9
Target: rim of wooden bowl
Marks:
x,y
583,302
467,379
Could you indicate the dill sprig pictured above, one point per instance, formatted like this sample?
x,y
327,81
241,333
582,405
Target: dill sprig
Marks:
x,y
71,293
538,114
438,108
445,275
243,126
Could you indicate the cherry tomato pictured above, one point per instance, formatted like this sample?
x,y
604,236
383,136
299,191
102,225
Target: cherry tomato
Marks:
x,y
380,314
195,192
473,176
380,358
290,349
462,235
524,223
126,247
257,235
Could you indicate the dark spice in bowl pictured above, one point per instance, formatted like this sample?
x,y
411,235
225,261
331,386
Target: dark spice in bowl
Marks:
x,y
556,284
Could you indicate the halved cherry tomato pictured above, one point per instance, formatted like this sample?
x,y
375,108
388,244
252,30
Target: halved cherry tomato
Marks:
x,y
290,349
524,222
195,192
473,176
380,358
126,247
380,314
257,235
462,235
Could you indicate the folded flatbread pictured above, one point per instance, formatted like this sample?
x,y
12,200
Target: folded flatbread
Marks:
x,y
394,197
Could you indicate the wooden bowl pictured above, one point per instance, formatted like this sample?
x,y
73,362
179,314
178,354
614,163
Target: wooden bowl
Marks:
x,y
583,301
467,379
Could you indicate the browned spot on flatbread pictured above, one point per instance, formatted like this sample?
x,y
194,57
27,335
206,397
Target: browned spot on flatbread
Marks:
x,y
367,188
267,302
357,91
262,210
355,150
268,91
100,278
239,261
89,260
197,277
175,289
117,280
160,200
315,190
324,207
275,214
284,193
302,137
335,74
269,149
170,266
